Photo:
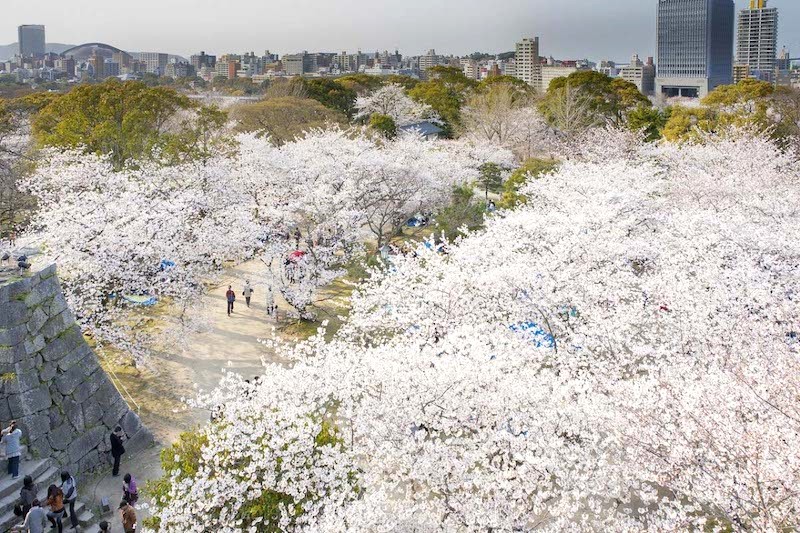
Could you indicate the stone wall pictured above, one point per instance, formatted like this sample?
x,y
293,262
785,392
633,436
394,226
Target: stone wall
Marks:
x,y
51,381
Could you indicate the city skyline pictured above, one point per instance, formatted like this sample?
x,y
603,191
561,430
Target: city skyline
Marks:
x,y
578,29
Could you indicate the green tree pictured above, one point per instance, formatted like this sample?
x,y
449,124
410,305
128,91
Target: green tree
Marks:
x,y
331,94
463,212
745,92
285,118
606,98
360,83
491,179
383,124
517,85
406,82
126,120
649,120
685,123
531,169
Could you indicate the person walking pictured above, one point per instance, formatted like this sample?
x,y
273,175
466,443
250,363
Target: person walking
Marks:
x,y
27,495
70,490
55,501
127,516
117,449
130,492
230,296
35,519
11,436
104,526
271,307
247,292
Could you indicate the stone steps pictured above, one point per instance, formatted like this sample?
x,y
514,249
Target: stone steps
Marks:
x,y
44,474
34,469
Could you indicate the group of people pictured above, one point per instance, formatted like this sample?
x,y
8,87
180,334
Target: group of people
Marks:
x,y
247,292
61,499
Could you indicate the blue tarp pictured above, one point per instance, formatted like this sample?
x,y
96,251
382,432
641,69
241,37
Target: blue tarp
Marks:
x,y
537,334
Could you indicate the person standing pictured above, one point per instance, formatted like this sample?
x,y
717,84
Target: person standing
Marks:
x,y
35,519
117,449
55,501
130,493
104,526
247,292
127,516
27,495
11,436
70,490
230,296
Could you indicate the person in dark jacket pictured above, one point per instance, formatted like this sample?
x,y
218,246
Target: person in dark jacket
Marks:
x,y
27,494
117,449
230,296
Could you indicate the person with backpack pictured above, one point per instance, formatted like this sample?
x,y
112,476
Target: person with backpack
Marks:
x,y
230,296
117,449
247,292
55,501
70,490
11,436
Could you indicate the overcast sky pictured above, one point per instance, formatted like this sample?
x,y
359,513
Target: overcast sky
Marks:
x,y
597,29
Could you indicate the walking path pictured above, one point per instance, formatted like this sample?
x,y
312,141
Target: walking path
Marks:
x,y
228,343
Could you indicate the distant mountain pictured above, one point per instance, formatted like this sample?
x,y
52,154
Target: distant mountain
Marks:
x,y
10,50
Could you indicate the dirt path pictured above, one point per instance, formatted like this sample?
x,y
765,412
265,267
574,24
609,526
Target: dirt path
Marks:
x,y
180,371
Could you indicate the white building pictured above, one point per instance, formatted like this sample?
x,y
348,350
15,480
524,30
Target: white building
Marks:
x,y
757,44
529,66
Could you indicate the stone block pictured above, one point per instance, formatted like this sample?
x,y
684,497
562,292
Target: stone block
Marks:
x,y
70,380
29,402
48,372
58,324
13,336
92,384
28,380
10,355
40,449
92,413
14,313
57,418
131,423
85,443
34,344
75,356
47,272
19,290
114,413
43,291
4,293
63,344
90,462
36,320
5,410
74,414
57,305
35,427
61,437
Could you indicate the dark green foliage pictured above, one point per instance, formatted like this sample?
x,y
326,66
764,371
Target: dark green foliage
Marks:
x,y
531,169
383,124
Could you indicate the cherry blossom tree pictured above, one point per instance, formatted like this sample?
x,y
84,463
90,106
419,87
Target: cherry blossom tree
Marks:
x,y
392,100
621,353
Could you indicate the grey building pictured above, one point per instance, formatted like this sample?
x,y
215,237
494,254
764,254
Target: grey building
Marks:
x,y
757,44
695,46
299,64
31,40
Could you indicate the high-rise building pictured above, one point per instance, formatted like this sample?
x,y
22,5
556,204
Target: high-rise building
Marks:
x,y
430,60
154,62
695,46
31,40
640,73
529,66
202,59
757,44
783,62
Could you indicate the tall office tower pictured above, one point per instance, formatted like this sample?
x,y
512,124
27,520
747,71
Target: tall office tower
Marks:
x,y
31,40
529,66
783,62
758,40
155,63
695,46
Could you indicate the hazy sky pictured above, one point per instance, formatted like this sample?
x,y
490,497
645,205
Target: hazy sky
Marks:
x,y
596,29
